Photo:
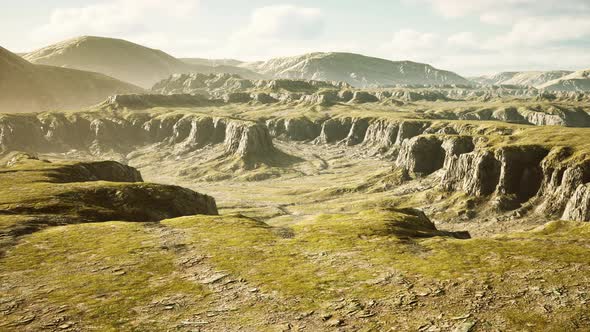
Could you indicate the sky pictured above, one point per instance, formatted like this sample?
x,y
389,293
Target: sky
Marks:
x,y
470,37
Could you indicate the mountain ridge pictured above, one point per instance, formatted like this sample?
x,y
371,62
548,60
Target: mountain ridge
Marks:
x,y
356,69
576,81
26,87
522,78
121,59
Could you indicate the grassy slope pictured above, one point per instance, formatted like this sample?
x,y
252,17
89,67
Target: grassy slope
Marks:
x,y
363,270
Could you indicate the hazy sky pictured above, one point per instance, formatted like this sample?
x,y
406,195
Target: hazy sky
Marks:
x,y
467,36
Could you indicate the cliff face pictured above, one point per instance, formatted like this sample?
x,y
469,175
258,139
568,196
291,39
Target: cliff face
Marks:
x,y
421,155
509,176
100,134
248,140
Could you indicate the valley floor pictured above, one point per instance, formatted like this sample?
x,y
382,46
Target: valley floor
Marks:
x,y
333,179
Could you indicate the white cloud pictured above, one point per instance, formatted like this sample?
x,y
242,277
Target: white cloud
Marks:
x,y
412,40
282,22
279,29
465,40
529,34
538,31
112,17
469,54
507,11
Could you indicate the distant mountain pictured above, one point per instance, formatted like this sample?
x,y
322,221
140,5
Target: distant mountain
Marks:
x,y
25,87
358,70
121,59
523,78
577,81
212,62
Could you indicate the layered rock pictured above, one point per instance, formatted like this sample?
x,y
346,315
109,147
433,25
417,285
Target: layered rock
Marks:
x,y
381,134
294,129
362,97
248,140
421,155
334,130
102,135
357,132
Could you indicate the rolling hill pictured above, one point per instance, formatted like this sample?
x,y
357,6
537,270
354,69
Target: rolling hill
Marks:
x,y
577,81
122,59
358,70
523,78
25,87
212,62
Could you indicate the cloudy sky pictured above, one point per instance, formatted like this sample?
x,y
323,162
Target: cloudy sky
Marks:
x,y
470,37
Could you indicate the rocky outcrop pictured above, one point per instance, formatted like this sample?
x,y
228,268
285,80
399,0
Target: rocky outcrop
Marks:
x,y
99,171
509,175
101,135
381,134
248,140
578,206
146,202
421,155
237,97
334,130
321,98
564,186
521,174
362,97
294,129
409,129
88,192
357,132
513,173
264,98
476,173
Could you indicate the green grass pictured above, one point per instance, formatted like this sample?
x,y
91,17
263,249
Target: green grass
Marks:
x,y
81,265
310,266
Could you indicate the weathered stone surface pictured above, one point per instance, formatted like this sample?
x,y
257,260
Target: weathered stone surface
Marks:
x,y
421,155
521,173
381,134
357,132
578,206
409,129
247,139
362,97
264,98
237,97
334,130
476,173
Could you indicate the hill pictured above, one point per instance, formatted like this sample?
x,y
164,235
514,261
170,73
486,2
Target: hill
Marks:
x,y
524,78
212,62
358,70
121,59
25,87
577,81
